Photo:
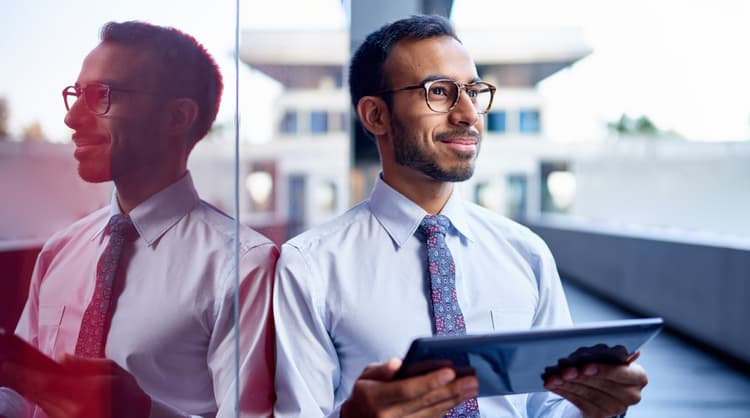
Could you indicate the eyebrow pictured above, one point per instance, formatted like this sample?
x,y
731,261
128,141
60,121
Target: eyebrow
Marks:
x,y
105,81
433,77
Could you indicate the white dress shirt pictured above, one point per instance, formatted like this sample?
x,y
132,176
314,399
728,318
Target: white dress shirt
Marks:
x,y
173,325
355,291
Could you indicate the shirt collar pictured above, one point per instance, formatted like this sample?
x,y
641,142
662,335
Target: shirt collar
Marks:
x,y
401,217
455,210
157,214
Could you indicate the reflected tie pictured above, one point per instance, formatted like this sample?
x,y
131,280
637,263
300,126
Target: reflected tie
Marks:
x,y
95,323
447,315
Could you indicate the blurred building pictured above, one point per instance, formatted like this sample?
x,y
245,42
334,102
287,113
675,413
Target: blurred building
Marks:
x,y
312,167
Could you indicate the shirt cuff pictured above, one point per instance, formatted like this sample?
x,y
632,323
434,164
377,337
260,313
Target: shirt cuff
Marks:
x,y
13,405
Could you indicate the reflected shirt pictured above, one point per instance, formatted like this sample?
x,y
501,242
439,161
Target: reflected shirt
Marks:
x,y
173,325
356,291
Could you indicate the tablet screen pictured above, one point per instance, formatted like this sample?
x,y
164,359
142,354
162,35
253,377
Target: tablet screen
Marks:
x,y
518,362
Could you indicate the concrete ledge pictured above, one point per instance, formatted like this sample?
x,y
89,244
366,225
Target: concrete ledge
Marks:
x,y
701,291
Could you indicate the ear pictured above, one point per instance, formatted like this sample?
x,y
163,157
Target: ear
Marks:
x,y
374,115
182,114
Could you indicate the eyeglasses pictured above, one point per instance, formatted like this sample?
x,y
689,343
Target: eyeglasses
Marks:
x,y
442,95
96,96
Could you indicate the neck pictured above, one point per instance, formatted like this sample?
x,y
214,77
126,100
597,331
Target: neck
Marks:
x,y
137,187
430,194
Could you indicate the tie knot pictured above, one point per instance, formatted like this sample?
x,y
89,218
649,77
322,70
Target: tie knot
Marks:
x,y
120,226
437,224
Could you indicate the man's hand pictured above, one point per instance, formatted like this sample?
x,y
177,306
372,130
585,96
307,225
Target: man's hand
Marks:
x,y
86,388
600,390
375,394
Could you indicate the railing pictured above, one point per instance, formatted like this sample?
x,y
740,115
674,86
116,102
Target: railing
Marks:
x,y
700,287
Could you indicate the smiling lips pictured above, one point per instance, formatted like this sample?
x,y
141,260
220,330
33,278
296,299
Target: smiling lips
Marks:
x,y
464,144
86,143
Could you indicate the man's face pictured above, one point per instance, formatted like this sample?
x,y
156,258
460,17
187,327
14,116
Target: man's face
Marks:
x,y
442,146
127,137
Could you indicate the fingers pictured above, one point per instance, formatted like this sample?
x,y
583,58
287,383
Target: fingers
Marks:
x,y
600,390
630,375
87,366
415,387
440,400
589,408
430,395
28,383
381,371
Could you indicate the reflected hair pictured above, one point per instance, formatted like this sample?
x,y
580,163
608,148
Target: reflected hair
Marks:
x,y
367,76
185,68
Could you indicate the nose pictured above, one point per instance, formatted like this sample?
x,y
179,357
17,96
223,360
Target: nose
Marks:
x,y
464,113
78,116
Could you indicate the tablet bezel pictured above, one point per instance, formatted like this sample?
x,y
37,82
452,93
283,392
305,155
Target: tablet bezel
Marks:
x,y
550,347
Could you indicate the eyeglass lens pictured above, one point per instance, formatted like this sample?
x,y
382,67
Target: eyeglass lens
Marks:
x,y
95,96
443,94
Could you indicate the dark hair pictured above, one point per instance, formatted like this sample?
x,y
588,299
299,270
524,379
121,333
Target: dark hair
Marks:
x,y
184,66
366,74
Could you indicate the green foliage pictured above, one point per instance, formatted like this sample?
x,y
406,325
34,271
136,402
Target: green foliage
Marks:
x,y
640,126
3,118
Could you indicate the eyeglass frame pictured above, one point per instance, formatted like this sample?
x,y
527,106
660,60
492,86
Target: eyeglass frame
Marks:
x,y
80,92
426,84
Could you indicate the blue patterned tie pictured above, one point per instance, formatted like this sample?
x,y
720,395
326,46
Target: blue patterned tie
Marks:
x,y
449,320
95,323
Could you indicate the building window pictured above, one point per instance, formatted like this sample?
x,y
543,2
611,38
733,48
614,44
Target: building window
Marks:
x,y
344,121
487,194
496,122
318,122
260,186
289,123
558,187
325,197
529,122
515,196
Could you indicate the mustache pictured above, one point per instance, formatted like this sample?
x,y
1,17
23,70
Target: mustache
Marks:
x,y
458,133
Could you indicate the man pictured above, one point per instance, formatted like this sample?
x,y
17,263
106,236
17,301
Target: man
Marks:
x,y
358,290
160,341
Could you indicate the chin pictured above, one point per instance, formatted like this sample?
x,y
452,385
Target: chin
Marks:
x,y
94,176
449,175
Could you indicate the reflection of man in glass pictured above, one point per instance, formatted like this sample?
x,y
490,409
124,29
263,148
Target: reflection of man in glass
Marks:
x,y
359,289
136,299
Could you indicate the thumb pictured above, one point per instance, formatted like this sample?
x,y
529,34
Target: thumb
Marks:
x,y
382,371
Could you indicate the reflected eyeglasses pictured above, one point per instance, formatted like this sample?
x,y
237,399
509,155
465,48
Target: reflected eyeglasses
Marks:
x,y
96,96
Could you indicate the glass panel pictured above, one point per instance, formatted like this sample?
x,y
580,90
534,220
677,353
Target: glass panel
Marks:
x,y
150,290
300,61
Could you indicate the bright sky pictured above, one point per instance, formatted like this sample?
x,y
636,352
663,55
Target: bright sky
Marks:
x,y
684,63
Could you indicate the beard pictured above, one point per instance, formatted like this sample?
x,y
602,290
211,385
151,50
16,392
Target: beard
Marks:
x,y
408,152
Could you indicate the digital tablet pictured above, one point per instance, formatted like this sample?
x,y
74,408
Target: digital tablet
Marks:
x,y
17,351
519,362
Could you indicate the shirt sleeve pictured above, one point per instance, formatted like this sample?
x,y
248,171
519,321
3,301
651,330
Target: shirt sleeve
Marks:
x,y
12,404
307,366
257,267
